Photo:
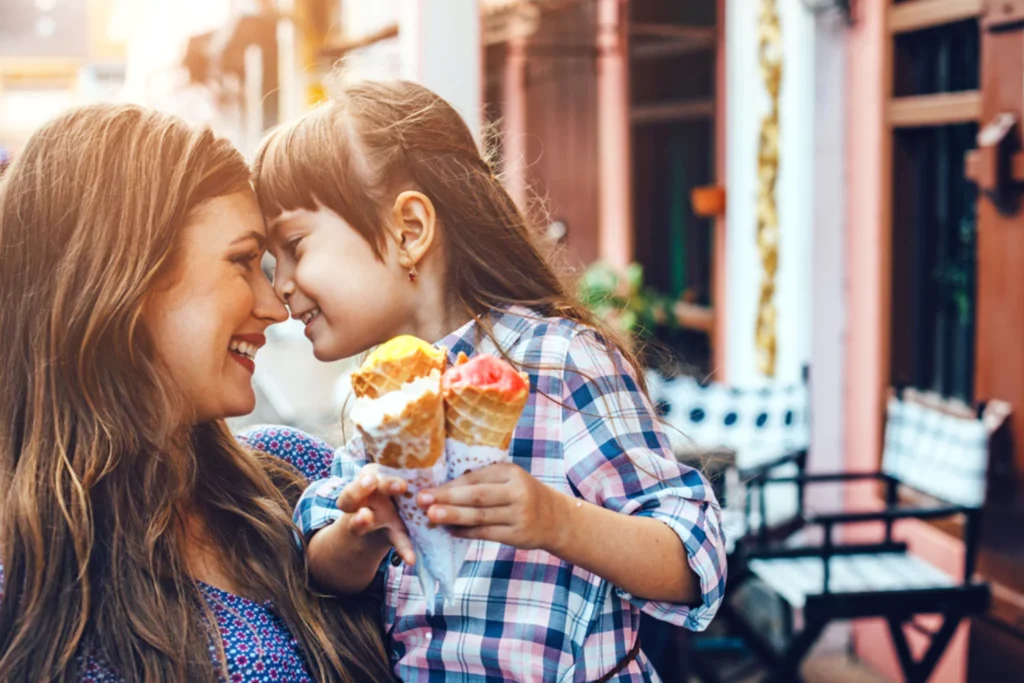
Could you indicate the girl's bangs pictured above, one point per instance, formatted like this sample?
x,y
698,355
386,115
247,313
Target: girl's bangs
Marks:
x,y
287,172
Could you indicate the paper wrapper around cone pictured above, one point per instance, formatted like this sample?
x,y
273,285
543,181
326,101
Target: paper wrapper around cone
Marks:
x,y
480,423
411,446
373,380
434,544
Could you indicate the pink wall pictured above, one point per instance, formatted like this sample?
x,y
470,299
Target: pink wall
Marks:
x,y
867,363
719,294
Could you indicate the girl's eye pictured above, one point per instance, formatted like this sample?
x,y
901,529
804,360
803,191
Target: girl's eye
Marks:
x,y
246,260
292,245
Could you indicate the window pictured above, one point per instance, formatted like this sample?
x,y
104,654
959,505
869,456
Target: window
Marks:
x,y
933,112
672,62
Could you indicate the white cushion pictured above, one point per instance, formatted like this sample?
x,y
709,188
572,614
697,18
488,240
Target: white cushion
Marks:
x,y
794,579
759,424
942,455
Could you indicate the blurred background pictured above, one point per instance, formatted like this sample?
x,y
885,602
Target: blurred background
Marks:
x,y
770,192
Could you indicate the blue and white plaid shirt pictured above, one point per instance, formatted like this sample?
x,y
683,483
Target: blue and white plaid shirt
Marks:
x,y
526,615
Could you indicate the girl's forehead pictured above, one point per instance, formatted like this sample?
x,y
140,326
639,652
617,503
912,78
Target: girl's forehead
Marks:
x,y
283,219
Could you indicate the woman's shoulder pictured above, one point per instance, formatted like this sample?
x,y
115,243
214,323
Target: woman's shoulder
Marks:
x,y
306,453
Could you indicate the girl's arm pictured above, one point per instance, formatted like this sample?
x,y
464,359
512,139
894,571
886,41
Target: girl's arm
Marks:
x,y
346,513
343,561
503,503
344,556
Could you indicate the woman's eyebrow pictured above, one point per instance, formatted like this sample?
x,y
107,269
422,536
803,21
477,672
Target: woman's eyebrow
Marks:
x,y
251,235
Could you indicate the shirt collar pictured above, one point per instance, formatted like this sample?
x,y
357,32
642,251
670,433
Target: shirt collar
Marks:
x,y
508,323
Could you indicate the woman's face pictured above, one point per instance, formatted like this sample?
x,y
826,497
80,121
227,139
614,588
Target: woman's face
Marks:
x,y
209,314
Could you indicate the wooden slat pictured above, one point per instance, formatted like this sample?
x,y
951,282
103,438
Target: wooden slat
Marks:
x,y
935,110
666,49
694,317
344,47
667,112
914,16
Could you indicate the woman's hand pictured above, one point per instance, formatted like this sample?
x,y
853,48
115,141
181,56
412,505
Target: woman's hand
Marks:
x,y
370,510
500,503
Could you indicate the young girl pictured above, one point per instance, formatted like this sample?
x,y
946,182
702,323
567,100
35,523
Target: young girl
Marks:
x,y
385,220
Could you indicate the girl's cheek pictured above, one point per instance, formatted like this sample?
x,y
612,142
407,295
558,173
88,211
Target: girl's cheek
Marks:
x,y
312,280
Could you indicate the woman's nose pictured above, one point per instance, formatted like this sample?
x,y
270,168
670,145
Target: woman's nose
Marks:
x,y
268,304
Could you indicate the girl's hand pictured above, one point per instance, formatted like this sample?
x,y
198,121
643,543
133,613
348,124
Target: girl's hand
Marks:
x,y
500,503
370,510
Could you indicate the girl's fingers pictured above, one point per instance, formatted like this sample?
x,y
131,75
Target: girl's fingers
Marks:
x,y
355,494
452,515
392,486
492,474
402,544
363,521
497,533
479,496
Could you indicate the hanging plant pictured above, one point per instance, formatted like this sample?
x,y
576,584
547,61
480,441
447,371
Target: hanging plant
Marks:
x,y
622,301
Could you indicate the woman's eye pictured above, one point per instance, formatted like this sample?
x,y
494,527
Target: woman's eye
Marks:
x,y
246,260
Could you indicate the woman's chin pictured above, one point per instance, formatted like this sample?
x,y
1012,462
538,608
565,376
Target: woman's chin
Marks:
x,y
241,404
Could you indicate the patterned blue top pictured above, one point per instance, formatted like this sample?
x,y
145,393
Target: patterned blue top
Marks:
x,y
257,644
526,615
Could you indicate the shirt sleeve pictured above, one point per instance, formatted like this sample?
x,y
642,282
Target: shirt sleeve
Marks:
x,y
617,456
318,506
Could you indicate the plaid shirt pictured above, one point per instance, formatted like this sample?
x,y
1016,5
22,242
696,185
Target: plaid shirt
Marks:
x,y
525,615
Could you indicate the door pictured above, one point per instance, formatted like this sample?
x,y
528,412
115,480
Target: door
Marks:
x,y
997,168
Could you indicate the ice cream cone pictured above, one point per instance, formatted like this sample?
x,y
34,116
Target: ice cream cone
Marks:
x,y
395,363
484,398
483,414
403,432
409,436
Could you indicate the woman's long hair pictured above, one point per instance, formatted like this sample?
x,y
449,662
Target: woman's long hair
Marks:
x,y
94,468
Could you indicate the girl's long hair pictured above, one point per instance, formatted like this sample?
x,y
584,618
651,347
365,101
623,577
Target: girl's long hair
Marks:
x,y
94,470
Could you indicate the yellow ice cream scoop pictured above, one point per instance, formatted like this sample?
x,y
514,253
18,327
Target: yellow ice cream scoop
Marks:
x,y
404,346
394,363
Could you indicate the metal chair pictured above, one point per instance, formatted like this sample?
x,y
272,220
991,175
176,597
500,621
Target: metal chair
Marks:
x,y
931,447
735,434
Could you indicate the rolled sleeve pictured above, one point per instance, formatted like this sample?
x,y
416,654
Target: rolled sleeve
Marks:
x,y
617,456
699,528
318,506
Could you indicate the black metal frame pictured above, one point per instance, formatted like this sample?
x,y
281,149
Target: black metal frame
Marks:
x,y
898,608
738,572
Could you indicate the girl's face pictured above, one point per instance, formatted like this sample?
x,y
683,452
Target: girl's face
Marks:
x,y
209,314
333,282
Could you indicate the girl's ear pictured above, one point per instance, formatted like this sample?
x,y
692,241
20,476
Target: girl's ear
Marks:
x,y
413,226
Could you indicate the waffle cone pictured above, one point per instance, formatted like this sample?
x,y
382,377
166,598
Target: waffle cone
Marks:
x,y
482,417
377,379
412,440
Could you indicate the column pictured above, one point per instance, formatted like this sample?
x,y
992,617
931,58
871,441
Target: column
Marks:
x,y
441,49
615,162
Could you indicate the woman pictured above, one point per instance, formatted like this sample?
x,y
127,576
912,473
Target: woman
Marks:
x,y
140,541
